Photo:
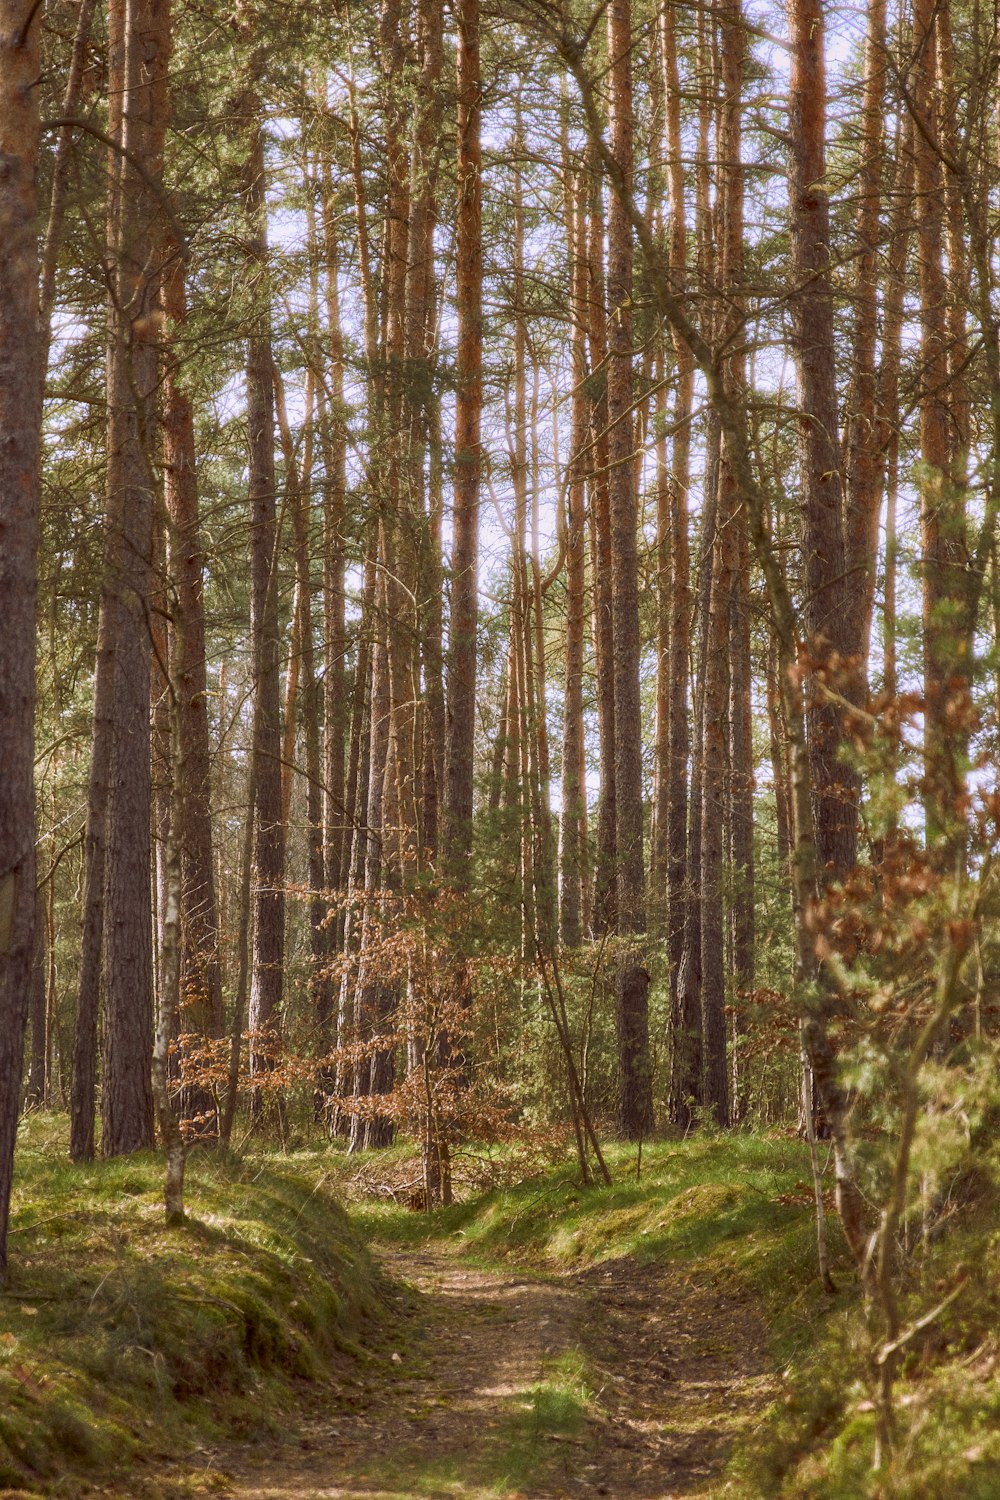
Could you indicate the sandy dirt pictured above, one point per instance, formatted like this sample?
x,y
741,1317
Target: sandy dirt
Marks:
x,y
675,1370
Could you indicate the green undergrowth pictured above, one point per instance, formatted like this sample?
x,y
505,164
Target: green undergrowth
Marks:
x,y
738,1210
124,1342
818,1441
735,1208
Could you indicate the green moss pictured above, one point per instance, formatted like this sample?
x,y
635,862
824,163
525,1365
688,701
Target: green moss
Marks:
x,y
115,1327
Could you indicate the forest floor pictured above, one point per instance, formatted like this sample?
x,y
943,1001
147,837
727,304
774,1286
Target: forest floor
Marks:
x,y
623,1379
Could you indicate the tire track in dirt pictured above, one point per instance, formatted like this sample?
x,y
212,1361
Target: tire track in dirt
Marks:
x,y
466,1407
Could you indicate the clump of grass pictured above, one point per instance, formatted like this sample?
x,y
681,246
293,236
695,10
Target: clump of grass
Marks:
x,y
735,1206
818,1441
554,1407
122,1338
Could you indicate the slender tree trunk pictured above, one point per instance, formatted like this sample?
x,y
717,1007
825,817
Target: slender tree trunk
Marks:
x,y
457,840
169,980
863,455
741,753
82,1092
828,599
635,1109
200,973
573,788
942,509
715,695
297,487
82,1089
268,893
424,487
126,1097
887,401
716,692
333,431
72,99
373,997
522,767
605,899
20,457
779,763
686,1012
680,584
35,1094
541,811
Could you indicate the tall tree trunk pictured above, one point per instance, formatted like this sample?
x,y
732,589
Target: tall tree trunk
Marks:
x,y
680,584
605,898
333,435
424,487
72,99
373,997
200,973
686,1086
659,842
635,1108
942,502
126,1097
863,455
457,840
82,1092
35,1093
298,481
887,403
828,597
724,569
268,893
573,788
741,757
541,811
524,768
20,456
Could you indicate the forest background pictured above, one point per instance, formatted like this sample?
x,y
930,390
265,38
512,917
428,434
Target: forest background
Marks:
x,y
500,509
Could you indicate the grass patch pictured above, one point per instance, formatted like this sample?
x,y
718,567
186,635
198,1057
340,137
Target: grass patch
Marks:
x,y
818,1442
737,1208
123,1340
552,1410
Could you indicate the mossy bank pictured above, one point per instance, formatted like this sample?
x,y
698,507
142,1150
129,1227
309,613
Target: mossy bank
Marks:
x,y
125,1343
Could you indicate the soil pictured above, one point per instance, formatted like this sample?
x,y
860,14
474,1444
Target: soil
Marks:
x,y
676,1369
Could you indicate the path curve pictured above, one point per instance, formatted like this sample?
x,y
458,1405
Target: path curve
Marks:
x,y
483,1397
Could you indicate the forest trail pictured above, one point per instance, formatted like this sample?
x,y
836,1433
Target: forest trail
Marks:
x,y
625,1380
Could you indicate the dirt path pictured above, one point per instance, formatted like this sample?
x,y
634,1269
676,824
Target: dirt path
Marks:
x,y
625,1381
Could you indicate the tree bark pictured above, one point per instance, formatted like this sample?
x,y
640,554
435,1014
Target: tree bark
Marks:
x,y
680,583
461,726
944,546
268,893
635,1108
863,454
20,457
200,974
828,603
126,1097
605,900
573,788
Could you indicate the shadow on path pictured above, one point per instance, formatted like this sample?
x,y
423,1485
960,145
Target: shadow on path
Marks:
x,y
626,1380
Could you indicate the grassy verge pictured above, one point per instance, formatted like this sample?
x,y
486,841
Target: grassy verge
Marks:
x,y
124,1341
818,1442
738,1210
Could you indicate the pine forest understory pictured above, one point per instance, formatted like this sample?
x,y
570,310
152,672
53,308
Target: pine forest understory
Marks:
x,y
499,724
